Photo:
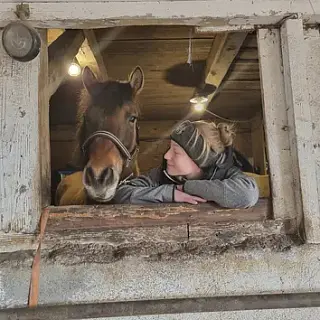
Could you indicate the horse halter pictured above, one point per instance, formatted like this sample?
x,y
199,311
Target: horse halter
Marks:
x,y
122,148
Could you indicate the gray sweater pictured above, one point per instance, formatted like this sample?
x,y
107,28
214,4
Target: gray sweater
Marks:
x,y
236,190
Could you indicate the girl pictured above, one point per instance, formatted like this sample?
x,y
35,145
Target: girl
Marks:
x,y
198,167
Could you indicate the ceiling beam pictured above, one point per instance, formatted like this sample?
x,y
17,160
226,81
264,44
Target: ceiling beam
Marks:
x,y
61,53
103,14
97,54
224,49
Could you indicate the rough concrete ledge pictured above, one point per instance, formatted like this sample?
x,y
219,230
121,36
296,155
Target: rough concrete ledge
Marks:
x,y
164,243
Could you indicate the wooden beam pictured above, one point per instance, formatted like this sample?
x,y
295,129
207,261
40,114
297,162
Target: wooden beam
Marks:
x,y
44,129
300,123
312,42
116,216
97,53
224,49
61,53
103,14
20,146
276,123
258,144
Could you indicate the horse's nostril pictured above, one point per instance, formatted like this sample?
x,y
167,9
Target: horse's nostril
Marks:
x,y
89,176
106,175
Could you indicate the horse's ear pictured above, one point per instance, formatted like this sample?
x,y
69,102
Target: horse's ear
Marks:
x,y
88,78
136,80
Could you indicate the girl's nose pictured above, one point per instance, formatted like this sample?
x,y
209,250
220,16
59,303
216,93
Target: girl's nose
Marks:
x,y
167,155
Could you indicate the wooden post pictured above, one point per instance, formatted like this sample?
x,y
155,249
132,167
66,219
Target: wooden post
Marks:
x,y
258,143
300,126
44,129
20,165
276,123
61,53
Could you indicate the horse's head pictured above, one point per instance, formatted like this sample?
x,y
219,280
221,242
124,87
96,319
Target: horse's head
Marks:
x,y
108,132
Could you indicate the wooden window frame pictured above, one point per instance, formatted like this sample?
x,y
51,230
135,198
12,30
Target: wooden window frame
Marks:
x,y
284,134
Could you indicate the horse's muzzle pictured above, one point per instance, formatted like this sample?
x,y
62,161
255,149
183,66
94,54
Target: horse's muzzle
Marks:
x,y
100,186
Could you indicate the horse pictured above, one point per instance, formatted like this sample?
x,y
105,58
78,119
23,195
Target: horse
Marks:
x,y
107,139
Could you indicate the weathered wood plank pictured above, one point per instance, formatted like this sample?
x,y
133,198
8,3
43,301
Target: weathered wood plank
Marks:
x,y
241,85
224,49
96,50
276,123
102,14
248,54
104,217
258,143
44,130
312,42
160,32
66,46
180,242
20,184
300,124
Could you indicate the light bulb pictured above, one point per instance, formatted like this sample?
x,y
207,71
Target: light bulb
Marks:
x,y
74,70
199,107
199,99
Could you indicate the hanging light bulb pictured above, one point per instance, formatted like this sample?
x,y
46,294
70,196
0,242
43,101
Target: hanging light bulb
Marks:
x,y
199,107
199,99
74,70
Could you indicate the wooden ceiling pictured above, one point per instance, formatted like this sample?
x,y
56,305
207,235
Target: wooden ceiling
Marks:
x,y
158,48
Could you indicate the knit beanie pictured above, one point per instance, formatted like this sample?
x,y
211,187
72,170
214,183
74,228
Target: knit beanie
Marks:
x,y
193,143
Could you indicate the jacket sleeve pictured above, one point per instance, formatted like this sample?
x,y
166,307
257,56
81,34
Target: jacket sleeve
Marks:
x,y
145,189
237,191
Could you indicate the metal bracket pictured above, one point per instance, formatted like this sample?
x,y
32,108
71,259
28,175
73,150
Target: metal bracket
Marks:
x,y
23,11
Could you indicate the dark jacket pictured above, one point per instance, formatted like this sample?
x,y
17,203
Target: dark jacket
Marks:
x,y
225,185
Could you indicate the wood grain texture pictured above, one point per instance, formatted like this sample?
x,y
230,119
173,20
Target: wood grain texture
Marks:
x,y
103,217
20,184
300,123
258,144
224,49
276,123
96,50
67,46
44,130
312,43
102,14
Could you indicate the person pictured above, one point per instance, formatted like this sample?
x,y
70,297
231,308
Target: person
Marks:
x,y
198,167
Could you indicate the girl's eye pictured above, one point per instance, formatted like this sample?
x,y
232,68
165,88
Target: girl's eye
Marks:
x,y
132,118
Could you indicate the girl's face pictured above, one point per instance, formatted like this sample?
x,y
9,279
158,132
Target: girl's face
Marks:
x,y
179,163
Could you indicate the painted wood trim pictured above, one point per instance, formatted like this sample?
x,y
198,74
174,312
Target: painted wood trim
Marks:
x,y
300,127
102,14
20,183
276,123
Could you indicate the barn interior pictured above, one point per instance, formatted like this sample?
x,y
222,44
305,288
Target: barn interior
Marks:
x,y
226,61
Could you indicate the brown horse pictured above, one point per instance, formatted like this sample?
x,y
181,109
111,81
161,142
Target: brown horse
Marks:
x,y
107,139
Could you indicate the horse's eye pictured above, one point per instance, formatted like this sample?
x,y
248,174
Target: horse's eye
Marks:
x,y
132,118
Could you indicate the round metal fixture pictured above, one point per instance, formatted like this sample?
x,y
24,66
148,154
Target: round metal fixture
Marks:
x,y
21,42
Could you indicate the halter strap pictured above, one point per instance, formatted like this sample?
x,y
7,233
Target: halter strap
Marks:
x,y
115,140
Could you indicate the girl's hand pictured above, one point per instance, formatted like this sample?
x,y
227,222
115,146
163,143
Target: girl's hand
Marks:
x,y
180,196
